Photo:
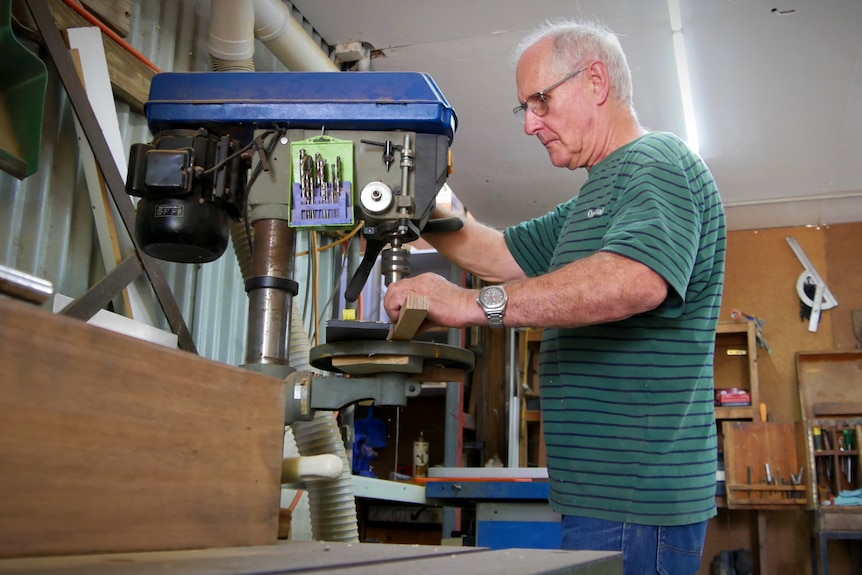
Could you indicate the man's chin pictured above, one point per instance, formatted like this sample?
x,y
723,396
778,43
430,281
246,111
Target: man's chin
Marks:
x,y
558,160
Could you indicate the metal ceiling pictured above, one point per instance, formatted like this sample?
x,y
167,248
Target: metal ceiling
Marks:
x,y
776,84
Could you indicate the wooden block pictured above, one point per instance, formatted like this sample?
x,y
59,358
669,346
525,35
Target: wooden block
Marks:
x,y
113,444
373,364
380,360
412,315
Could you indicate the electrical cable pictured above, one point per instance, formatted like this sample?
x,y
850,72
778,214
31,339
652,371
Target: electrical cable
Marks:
x,y
308,288
316,297
254,142
346,238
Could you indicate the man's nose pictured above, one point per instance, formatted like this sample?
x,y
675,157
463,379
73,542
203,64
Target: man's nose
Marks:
x,y
532,123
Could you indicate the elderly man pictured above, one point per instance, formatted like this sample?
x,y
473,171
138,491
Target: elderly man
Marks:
x,y
626,280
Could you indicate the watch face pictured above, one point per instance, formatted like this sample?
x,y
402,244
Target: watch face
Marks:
x,y
493,296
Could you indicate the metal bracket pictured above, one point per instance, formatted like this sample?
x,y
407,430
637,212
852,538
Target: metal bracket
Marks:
x,y
113,179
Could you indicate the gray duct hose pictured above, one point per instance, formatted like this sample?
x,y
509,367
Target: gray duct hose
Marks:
x,y
332,503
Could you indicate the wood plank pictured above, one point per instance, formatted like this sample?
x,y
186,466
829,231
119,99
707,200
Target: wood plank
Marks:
x,y
413,313
115,444
379,360
130,78
375,364
116,14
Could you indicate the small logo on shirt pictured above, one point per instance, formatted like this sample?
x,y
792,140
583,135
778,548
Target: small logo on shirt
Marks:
x,y
595,212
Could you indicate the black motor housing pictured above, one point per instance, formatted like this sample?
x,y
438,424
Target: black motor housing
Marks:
x,y
192,185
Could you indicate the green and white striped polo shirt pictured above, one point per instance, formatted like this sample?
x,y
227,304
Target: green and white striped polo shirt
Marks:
x,y
628,406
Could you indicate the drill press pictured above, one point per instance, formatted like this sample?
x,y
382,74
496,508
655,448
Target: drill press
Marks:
x,y
284,151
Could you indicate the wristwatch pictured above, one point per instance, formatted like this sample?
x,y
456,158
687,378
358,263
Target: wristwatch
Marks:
x,y
492,300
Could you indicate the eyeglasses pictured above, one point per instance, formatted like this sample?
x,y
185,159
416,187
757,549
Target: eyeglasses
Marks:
x,y
538,102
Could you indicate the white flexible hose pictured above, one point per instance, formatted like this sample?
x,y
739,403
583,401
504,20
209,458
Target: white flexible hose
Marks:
x,y
332,503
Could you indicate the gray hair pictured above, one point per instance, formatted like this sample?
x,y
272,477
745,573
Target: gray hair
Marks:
x,y
575,41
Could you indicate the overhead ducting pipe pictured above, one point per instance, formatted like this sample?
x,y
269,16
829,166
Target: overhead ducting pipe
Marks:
x,y
231,35
287,39
233,26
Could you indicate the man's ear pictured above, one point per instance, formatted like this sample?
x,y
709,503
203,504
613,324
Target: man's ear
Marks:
x,y
600,80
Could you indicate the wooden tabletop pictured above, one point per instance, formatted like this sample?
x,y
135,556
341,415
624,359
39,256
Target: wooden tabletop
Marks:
x,y
321,557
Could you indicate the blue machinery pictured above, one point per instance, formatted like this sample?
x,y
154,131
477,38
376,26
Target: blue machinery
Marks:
x,y
508,513
282,151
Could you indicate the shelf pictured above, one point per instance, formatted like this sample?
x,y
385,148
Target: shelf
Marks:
x,y
722,413
736,367
532,416
733,327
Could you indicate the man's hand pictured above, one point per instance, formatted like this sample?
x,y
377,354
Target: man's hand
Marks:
x,y
451,306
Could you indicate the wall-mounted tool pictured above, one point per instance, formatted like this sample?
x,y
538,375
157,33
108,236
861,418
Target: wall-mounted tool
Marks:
x,y
811,288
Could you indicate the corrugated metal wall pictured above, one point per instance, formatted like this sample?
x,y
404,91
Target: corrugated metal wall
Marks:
x,y
46,220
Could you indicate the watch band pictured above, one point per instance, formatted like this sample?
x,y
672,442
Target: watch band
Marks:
x,y
495,319
493,299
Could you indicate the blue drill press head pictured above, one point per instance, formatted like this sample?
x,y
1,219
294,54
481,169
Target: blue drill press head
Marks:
x,y
210,127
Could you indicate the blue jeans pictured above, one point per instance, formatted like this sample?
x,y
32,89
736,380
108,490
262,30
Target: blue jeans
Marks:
x,y
647,549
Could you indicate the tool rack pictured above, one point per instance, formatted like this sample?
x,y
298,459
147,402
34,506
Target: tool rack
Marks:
x,y
835,457
829,383
765,465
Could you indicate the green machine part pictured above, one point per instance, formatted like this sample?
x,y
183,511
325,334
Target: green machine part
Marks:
x,y
23,80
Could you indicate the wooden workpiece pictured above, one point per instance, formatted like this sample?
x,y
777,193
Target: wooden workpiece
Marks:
x,y
113,444
413,313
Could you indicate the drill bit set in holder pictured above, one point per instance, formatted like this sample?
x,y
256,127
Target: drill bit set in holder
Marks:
x,y
322,183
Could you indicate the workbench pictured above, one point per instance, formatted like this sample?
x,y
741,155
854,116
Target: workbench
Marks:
x,y
510,504
321,557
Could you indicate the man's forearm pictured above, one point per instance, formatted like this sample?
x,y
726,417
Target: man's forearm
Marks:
x,y
476,248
